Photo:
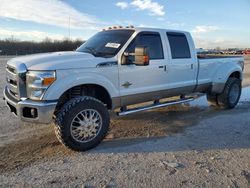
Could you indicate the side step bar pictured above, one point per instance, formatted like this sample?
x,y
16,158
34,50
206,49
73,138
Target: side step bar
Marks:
x,y
153,106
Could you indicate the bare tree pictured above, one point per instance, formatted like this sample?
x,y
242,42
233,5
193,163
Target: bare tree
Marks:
x,y
12,46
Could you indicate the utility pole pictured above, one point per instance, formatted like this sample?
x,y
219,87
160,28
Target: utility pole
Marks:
x,y
69,27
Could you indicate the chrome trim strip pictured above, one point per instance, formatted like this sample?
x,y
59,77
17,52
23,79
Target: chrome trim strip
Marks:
x,y
16,80
12,88
107,64
10,75
30,103
37,87
21,70
7,98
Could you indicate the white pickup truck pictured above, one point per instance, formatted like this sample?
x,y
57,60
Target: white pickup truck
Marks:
x,y
114,69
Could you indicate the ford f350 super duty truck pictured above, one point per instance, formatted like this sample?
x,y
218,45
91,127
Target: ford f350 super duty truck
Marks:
x,y
114,69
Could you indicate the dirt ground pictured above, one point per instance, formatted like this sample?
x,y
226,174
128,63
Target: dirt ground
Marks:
x,y
191,145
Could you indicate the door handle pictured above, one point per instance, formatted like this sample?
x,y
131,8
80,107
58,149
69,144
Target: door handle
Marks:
x,y
163,67
192,66
126,84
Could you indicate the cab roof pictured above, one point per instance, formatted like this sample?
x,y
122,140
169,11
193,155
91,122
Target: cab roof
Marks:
x,y
139,29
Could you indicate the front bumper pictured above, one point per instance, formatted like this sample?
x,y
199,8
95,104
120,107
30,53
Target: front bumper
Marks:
x,y
29,110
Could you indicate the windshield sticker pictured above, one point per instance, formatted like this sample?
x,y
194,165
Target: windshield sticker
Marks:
x,y
112,45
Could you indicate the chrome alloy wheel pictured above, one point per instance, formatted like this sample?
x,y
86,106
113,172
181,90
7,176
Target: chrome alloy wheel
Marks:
x,y
86,125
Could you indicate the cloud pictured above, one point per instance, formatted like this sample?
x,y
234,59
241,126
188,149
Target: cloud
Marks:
x,y
122,5
51,12
161,19
146,25
209,43
218,42
204,29
154,8
29,35
124,22
175,25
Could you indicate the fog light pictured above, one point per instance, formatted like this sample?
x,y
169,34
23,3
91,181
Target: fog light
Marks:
x,y
33,112
30,112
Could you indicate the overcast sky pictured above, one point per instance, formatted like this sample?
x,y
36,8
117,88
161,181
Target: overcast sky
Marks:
x,y
213,23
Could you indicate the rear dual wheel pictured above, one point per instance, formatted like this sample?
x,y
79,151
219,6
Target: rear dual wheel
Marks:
x,y
230,96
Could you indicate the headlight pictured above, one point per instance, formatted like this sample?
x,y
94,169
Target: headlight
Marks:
x,y
38,82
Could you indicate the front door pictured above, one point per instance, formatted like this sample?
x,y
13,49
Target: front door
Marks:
x,y
143,83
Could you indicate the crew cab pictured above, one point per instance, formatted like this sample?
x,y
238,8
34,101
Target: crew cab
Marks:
x,y
116,68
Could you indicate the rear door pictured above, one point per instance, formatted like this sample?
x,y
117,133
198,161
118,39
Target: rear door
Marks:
x,y
183,66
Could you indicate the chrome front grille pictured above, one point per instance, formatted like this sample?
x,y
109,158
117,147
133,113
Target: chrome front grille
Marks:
x,y
15,77
11,77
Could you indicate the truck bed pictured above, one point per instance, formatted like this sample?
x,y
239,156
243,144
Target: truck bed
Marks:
x,y
206,56
213,68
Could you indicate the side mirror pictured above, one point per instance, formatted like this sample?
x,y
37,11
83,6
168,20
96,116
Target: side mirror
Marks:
x,y
141,56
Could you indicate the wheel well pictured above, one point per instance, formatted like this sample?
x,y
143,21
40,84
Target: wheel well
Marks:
x,y
92,90
235,75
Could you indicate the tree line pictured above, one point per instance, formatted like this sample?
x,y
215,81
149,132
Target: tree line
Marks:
x,y
16,47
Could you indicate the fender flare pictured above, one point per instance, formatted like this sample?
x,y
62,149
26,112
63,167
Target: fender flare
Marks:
x,y
221,76
55,91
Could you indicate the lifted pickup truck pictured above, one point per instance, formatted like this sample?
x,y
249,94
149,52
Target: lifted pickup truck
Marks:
x,y
114,69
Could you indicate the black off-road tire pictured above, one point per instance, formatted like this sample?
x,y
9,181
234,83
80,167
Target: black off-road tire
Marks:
x,y
224,98
65,115
212,100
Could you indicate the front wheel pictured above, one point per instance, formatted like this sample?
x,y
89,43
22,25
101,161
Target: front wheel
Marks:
x,y
230,96
82,123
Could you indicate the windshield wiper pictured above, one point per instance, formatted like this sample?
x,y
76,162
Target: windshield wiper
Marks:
x,y
95,53
91,50
104,54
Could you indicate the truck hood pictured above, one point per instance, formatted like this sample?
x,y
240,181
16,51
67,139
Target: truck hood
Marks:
x,y
57,61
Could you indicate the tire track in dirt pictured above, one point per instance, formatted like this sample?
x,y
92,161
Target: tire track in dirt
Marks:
x,y
17,155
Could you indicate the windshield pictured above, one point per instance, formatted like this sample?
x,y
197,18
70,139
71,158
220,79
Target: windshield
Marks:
x,y
106,43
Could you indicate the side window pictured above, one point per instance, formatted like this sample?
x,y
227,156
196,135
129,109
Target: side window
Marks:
x,y
179,45
151,41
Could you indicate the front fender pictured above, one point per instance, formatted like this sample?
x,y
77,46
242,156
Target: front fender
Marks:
x,y
69,79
